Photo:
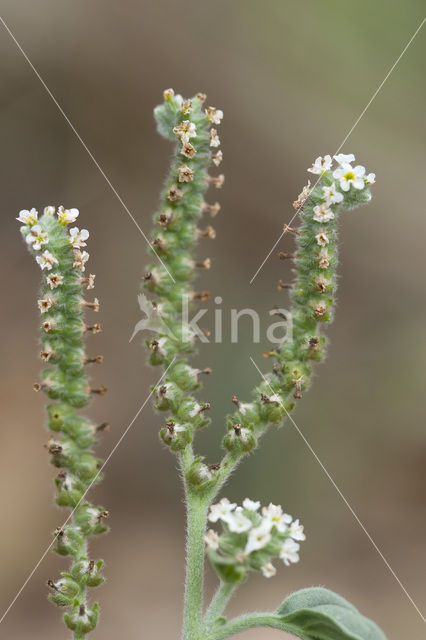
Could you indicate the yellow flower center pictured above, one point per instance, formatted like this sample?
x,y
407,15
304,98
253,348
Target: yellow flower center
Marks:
x,y
349,176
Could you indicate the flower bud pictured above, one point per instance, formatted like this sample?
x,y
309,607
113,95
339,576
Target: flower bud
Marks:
x,y
239,439
176,436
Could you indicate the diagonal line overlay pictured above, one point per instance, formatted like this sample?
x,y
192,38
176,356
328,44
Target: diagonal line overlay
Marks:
x,y
344,140
343,498
32,572
84,145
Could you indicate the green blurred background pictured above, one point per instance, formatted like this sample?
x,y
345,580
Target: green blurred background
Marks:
x,y
292,79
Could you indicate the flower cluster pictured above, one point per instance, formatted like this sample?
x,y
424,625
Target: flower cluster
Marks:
x,y
251,537
36,237
346,174
64,380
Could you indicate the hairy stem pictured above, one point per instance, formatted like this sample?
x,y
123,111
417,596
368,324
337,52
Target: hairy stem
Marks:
x,y
218,603
243,623
197,507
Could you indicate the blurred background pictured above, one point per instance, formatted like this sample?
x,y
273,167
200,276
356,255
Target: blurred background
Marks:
x,y
291,78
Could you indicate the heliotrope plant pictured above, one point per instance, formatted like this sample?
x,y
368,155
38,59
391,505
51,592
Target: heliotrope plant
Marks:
x,y
251,537
62,258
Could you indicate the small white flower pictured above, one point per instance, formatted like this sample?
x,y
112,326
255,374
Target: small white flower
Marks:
x,y
370,178
54,280
168,94
321,164
322,213
214,115
238,523
185,174
214,138
251,505
323,259
221,511
45,304
80,259
274,517
212,539
331,195
296,531
49,211
350,176
258,538
185,131
28,217
46,260
77,237
268,570
186,107
289,551
37,237
344,158
322,239
65,216
217,158
275,397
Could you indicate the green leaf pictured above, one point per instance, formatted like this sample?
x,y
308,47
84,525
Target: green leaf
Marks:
x,y
320,614
309,614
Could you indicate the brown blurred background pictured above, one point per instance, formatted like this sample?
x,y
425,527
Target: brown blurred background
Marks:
x,y
291,79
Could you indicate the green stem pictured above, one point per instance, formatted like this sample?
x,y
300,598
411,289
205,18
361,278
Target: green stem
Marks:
x,y
250,621
218,603
197,507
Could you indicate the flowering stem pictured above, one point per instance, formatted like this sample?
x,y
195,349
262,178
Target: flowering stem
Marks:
x,y
66,383
218,603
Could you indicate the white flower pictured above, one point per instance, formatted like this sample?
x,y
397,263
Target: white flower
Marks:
x,y
49,210
322,239
185,130
321,164
185,173
258,538
65,216
168,94
214,138
322,213
221,511
217,158
251,505
296,531
45,304
344,158
348,175
212,539
37,237
274,517
28,217
323,260
186,107
77,237
80,259
268,570
46,260
370,178
331,195
238,523
54,280
289,551
214,115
